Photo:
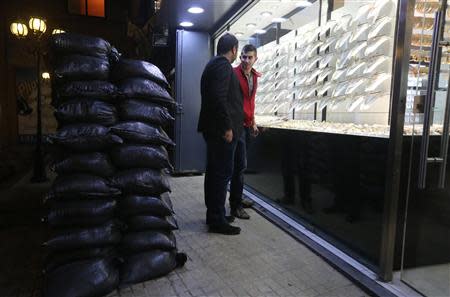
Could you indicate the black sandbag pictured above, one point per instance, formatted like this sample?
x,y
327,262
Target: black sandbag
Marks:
x,y
82,186
85,137
146,222
75,238
137,132
90,163
140,156
114,55
88,278
86,111
76,67
136,242
141,181
80,213
56,259
133,205
149,265
71,43
145,89
127,68
142,111
92,89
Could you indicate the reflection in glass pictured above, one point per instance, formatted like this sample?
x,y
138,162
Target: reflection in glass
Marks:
x,y
383,27
379,46
380,84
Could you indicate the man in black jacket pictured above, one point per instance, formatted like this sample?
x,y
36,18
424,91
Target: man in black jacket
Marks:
x,y
221,122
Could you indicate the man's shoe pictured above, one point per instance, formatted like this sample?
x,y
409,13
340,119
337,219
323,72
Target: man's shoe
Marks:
x,y
247,203
229,219
240,213
225,229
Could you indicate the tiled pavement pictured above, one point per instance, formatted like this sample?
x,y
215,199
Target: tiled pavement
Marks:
x,y
261,261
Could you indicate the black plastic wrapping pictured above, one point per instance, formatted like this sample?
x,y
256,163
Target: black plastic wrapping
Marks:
x,y
88,278
76,238
137,132
76,67
131,205
127,68
89,163
97,89
147,222
145,89
143,181
86,111
71,43
82,186
84,137
80,213
135,242
140,156
143,111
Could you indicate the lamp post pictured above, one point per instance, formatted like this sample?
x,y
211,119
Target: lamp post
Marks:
x,y
37,27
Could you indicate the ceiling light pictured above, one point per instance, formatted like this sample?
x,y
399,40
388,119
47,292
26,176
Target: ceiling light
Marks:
x,y
303,3
260,31
278,20
186,24
251,25
266,14
238,34
196,9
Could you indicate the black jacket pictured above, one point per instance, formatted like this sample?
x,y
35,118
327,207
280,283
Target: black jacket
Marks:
x,y
222,100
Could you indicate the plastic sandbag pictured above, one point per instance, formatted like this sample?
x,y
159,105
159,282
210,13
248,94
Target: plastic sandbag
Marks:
x,y
114,55
88,278
127,68
140,156
145,89
136,242
146,222
69,239
80,213
166,199
149,265
90,163
70,43
141,181
137,132
76,67
93,89
134,205
140,110
82,186
86,111
85,137
56,259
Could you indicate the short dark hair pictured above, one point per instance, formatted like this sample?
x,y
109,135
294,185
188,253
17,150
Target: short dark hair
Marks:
x,y
249,48
226,43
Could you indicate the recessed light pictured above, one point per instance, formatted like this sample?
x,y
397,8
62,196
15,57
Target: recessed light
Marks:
x,y
251,25
238,34
303,3
278,20
266,14
196,9
260,31
186,24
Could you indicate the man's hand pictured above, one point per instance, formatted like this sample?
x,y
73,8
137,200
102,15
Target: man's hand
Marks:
x,y
254,131
228,136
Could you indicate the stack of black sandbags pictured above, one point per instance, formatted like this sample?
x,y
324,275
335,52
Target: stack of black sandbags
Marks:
x,y
148,247
82,203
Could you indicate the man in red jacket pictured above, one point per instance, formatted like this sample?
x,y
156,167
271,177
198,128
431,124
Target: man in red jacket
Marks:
x,y
248,80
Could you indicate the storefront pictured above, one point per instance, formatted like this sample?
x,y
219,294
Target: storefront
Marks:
x,y
353,108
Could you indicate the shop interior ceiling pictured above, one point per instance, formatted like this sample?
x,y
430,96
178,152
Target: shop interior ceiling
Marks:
x,y
215,14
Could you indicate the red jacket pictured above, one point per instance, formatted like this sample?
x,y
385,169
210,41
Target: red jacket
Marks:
x,y
249,99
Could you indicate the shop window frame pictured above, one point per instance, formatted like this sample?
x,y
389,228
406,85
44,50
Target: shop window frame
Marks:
x,y
86,14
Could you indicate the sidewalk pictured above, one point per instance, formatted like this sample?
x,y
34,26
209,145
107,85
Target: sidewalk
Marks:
x,y
261,261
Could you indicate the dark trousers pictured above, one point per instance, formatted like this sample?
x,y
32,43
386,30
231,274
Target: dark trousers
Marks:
x,y
220,165
240,164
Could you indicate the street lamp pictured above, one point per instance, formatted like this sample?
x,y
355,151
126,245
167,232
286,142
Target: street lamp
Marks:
x,y
20,30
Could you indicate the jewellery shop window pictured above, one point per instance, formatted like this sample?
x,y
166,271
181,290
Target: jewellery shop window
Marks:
x,y
329,73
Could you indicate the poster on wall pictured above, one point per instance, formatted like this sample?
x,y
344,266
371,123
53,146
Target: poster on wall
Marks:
x,y
26,95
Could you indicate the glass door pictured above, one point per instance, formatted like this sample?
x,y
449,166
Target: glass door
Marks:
x,y
425,261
